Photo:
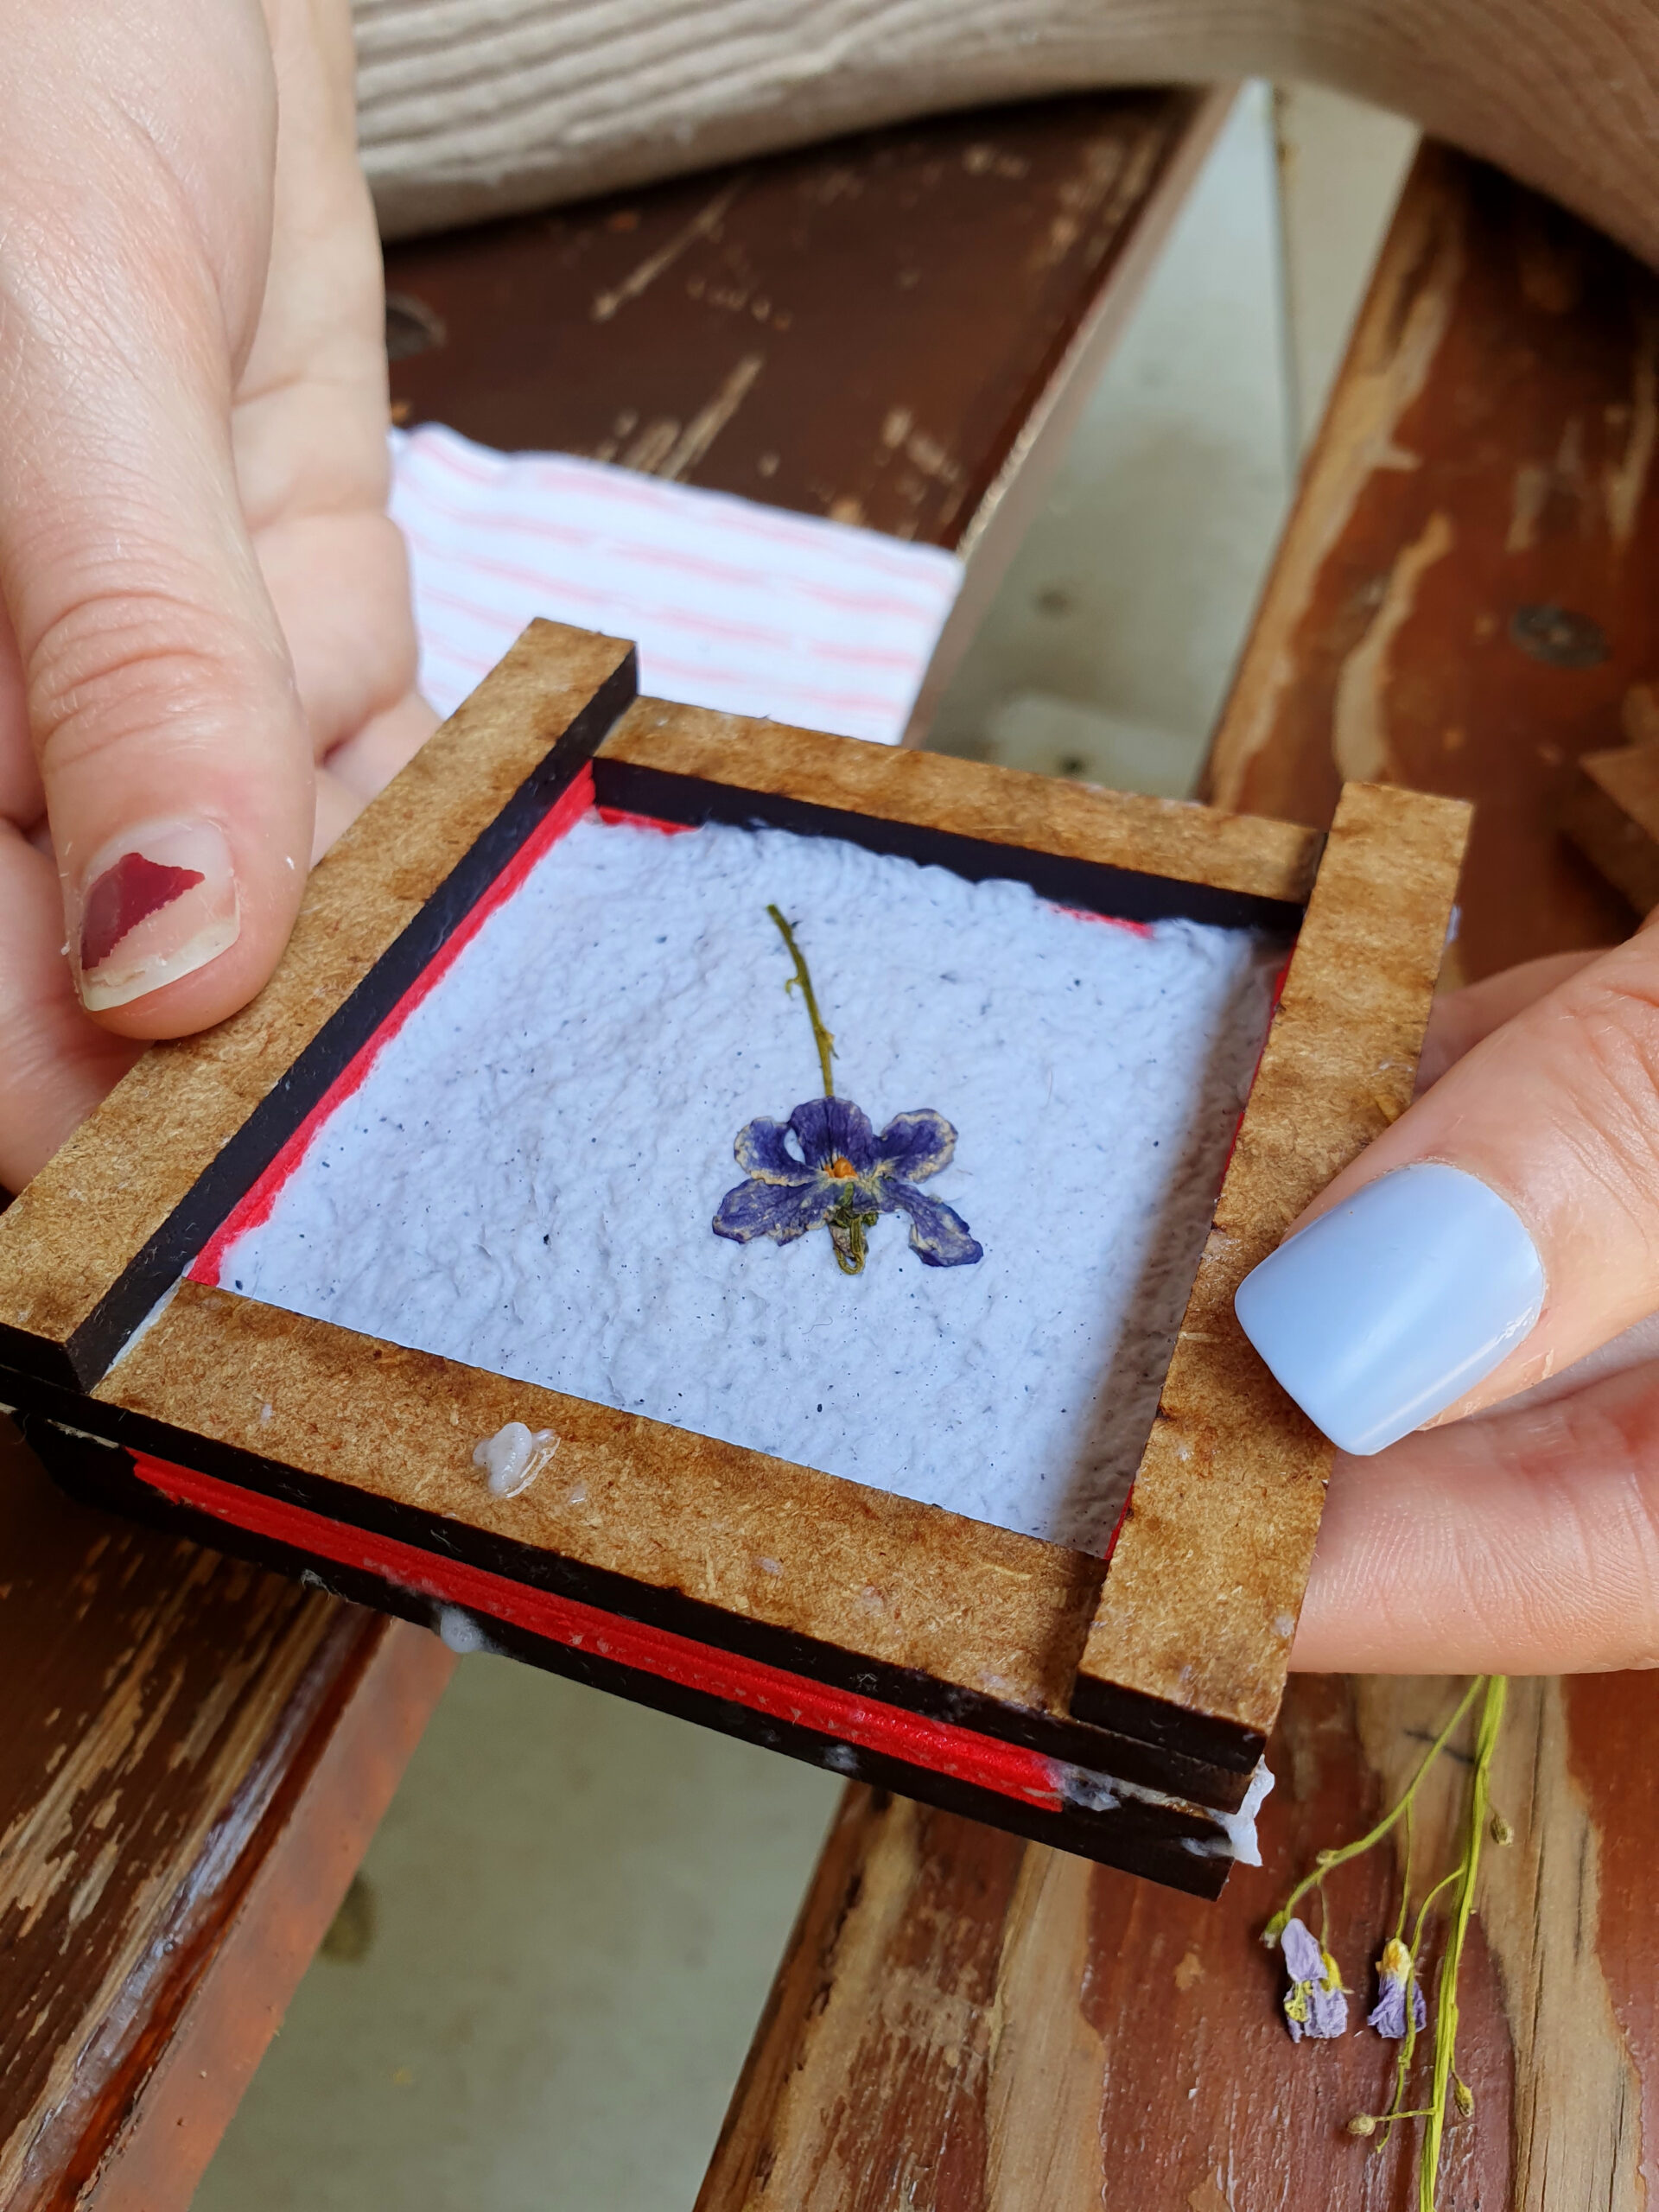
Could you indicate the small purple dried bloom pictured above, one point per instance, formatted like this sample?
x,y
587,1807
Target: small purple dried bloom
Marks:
x,y
843,1177
1315,2004
1393,1971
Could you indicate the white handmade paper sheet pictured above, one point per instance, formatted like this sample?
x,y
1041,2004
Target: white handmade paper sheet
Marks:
x,y
526,1178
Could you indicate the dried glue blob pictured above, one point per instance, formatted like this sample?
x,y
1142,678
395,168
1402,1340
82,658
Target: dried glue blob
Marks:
x,y
513,1457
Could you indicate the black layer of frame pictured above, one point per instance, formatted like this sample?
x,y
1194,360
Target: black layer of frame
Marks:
x,y
1094,886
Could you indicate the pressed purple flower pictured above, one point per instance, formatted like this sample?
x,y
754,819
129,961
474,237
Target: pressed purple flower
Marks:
x,y
1315,2004
842,1176
1394,1975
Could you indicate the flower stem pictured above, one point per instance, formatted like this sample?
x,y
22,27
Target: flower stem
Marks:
x,y
1445,2018
821,1036
1328,1861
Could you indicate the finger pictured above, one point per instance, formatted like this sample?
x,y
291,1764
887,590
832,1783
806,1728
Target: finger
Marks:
x,y
1504,1227
57,1062
172,751
367,762
1525,1542
1460,1021
312,409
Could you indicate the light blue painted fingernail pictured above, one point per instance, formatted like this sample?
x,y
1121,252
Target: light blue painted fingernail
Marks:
x,y
1381,1312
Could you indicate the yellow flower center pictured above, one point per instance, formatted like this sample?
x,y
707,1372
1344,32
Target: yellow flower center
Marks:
x,y
842,1168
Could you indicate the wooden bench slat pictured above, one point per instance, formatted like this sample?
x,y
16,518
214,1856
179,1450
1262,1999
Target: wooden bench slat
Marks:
x,y
965,2025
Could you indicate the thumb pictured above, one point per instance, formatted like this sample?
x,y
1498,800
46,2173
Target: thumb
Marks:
x,y
157,684
1505,1226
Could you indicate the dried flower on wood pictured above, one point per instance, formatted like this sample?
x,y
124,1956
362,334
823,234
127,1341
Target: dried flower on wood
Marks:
x,y
1315,2003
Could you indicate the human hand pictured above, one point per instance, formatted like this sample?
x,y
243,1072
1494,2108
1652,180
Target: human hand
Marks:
x,y
206,650
1519,1533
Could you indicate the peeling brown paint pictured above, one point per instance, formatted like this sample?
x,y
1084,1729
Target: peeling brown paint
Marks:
x,y
1359,733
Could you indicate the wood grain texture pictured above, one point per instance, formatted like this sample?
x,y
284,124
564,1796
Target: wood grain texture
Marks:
x,y
966,2022
1226,1502
775,1545
68,1238
1259,859
1463,602
242,1960
1494,326
865,330
166,1712
1611,814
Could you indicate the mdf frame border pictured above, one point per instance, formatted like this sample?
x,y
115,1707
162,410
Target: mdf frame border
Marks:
x,y
990,1671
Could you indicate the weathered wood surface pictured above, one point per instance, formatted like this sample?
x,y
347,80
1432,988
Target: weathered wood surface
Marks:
x,y
182,1735
899,329
150,2100
864,329
1611,814
964,2024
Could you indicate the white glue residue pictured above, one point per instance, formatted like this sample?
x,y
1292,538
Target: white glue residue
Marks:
x,y
1237,1838
525,1180
513,1457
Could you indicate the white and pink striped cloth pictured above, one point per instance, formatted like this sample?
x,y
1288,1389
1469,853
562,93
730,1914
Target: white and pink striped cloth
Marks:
x,y
733,605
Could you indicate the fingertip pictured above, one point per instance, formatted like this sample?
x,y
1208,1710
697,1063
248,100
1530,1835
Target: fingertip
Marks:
x,y
175,924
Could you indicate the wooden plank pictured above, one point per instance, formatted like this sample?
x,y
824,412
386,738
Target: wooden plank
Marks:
x,y
869,330
964,2024
1149,2024
1464,600
1226,1503
168,1712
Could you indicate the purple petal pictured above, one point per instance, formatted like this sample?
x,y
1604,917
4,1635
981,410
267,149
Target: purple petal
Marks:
x,y
833,1128
761,1151
1388,2015
1327,2012
937,1232
1304,1960
916,1145
780,1210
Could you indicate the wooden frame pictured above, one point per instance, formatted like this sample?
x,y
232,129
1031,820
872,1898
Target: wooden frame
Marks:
x,y
1118,1710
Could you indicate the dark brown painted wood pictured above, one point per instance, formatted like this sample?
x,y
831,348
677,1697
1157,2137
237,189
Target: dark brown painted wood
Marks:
x,y
171,1725
862,329
1486,460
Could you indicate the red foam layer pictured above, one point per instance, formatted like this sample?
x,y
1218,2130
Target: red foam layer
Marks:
x,y
1009,1769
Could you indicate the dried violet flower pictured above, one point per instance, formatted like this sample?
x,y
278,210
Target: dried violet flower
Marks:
x,y
1396,1986
1401,2012
842,1176
1315,2004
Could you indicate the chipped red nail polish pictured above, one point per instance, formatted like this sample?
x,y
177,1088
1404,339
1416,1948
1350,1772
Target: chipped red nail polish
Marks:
x,y
157,904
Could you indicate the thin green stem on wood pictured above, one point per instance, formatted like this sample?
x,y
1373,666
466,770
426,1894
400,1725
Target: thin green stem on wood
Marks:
x,y
1445,2017
821,1036
1328,1861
